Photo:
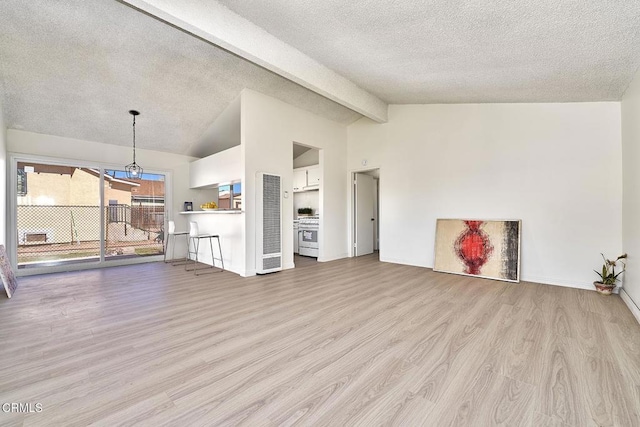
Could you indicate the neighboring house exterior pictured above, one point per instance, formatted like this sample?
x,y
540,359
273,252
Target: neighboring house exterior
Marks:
x,y
61,204
69,186
148,193
223,200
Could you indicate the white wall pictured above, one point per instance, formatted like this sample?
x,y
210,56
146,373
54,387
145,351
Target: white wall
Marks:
x,y
67,148
555,166
3,176
306,199
631,189
269,128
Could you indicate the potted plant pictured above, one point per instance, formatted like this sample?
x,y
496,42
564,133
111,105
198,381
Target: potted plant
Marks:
x,y
608,275
305,212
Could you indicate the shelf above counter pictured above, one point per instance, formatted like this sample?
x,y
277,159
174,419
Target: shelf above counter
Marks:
x,y
219,211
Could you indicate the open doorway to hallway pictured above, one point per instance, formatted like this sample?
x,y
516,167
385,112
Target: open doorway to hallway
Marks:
x,y
366,211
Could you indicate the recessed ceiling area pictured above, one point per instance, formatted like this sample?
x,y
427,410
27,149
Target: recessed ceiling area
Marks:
x,y
222,134
469,51
75,69
299,150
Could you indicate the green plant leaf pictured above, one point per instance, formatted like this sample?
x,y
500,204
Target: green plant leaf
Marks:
x,y
599,275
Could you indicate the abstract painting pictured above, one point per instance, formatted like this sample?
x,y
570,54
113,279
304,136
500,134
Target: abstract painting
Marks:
x,y
482,248
6,273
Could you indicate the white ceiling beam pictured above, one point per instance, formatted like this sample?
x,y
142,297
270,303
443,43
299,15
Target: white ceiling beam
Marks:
x,y
218,25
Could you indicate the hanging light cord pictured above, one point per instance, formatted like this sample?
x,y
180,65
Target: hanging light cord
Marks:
x,y
134,139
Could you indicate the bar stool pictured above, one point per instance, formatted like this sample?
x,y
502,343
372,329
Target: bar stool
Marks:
x,y
194,238
173,233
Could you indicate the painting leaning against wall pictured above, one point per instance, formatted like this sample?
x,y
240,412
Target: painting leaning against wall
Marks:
x,y
482,248
6,273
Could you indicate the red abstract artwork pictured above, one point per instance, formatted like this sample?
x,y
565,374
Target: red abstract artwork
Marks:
x,y
478,247
473,247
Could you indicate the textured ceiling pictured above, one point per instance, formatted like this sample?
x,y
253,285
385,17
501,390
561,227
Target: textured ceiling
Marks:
x,y
74,68
440,51
215,23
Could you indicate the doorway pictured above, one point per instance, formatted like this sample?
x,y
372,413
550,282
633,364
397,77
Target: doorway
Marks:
x,y
366,212
307,190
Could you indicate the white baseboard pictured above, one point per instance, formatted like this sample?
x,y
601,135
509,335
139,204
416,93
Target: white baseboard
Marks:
x,y
635,310
556,282
533,279
248,273
333,257
403,262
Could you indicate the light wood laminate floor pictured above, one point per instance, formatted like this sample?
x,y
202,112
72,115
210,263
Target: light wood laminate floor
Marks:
x,y
350,342
304,261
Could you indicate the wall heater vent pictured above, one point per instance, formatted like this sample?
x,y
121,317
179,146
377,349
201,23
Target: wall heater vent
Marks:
x,y
268,223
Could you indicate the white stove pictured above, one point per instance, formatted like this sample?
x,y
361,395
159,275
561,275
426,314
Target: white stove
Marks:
x,y
308,235
309,221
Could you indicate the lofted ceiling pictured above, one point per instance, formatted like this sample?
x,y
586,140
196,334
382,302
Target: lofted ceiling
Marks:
x,y
439,51
299,150
74,68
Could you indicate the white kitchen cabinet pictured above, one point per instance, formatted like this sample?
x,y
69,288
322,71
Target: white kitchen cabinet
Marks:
x,y
299,179
306,178
225,166
295,238
313,176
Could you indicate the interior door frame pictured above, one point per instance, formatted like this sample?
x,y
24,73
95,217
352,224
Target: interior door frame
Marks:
x,y
12,213
352,207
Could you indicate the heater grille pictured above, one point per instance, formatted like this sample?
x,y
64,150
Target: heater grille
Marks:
x,y
268,223
271,241
271,263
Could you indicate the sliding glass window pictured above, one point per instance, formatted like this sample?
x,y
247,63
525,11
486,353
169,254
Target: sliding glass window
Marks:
x,y
69,215
134,220
57,215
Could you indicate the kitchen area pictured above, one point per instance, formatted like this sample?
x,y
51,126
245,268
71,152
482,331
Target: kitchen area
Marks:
x,y
232,159
215,204
306,204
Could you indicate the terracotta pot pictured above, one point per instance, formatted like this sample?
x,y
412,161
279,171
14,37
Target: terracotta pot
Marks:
x,y
604,289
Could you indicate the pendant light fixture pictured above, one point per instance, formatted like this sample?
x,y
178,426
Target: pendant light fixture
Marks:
x,y
134,171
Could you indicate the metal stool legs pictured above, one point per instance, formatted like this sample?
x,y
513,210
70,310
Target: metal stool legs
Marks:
x,y
173,233
172,260
219,249
194,240
193,255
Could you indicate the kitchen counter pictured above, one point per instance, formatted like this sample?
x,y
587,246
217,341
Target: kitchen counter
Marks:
x,y
229,225
219,211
